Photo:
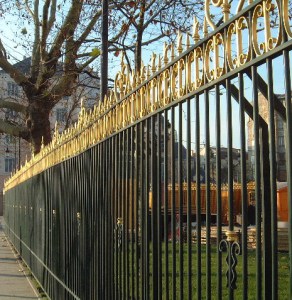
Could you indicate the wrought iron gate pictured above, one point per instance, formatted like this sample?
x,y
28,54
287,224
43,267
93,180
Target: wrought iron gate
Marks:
x,y
170,188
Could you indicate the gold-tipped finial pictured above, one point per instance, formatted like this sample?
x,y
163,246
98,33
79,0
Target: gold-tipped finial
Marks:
x,y
42,143
159,62
153,63
148,72
122,59
134,79
142,73
56,133
179,42
205,27
165,53
188,44
172,56
196,35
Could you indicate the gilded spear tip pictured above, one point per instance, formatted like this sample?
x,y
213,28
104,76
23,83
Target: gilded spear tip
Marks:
x,y
165,53
122,59
188,44
172,56
153,63
205,27
196,35
179,42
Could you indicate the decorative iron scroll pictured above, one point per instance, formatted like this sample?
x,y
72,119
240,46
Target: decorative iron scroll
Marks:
x,y
233,249
119,232
178,73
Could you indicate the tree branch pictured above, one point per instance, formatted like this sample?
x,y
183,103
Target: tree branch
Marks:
x,y
72,16
14,73
13,106
88,29
14,130
35,58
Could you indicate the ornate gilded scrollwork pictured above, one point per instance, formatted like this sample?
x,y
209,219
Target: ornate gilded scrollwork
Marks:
x,y
119,232
262,16
233,248
212,47
286,17
235,36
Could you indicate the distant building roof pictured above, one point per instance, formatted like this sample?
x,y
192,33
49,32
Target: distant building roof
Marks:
x,y
23,66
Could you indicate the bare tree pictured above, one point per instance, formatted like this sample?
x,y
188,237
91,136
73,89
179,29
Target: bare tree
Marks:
x,y
146,22
63,39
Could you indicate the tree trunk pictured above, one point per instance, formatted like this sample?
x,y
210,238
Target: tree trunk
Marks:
x,y
138,50
39,126
138,47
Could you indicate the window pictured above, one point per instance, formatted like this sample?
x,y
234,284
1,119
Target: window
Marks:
x,y
12,89
280,123
9,164
281,141
9,139
61,114
10,114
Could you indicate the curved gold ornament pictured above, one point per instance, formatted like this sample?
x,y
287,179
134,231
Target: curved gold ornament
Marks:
x,y
173,82
235,32
286,17
189,64
264,11
199,67
212,47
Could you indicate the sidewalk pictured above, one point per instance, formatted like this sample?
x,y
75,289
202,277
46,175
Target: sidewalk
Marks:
x,y
14,283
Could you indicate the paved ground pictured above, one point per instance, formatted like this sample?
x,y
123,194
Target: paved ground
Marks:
x,y
14,283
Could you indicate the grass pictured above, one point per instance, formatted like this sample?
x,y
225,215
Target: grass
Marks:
x,y
283,274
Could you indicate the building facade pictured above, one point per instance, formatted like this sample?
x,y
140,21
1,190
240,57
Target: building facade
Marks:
x,y
279,140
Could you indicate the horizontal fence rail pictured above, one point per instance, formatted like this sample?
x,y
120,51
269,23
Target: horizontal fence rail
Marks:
x,y
178,186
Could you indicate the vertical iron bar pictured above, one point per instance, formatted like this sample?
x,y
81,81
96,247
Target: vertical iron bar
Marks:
x,y
173,204
127,210
108,219
119,215
102,210
154,247
146,195
289,153
166,199
198,201
111,220
180,197
208,204
132,209
273,185
243,187
115,183
143,209
123,213
266,210
189,201
218,191
159,223
230,174
138,209
257,182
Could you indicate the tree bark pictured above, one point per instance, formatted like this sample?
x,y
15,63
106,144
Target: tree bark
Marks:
x,y
39,127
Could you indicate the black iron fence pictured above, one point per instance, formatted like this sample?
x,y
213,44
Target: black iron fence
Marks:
x,y
170,189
